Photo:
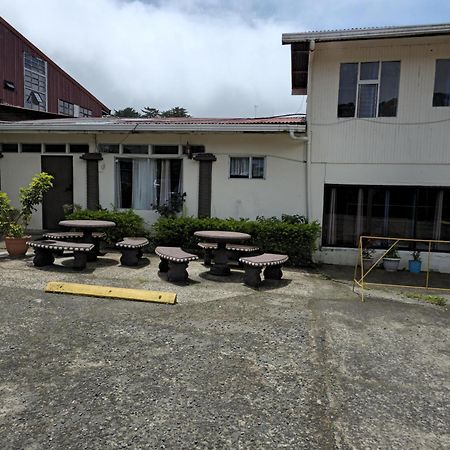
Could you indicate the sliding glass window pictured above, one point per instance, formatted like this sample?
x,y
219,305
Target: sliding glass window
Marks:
x,y
392,211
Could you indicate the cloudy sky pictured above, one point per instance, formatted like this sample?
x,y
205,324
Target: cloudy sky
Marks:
x,y
213,57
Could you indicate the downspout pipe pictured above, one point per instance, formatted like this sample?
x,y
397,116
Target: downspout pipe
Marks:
x,y
305,139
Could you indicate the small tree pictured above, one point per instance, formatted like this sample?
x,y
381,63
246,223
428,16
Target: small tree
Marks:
x,y
129,112
14,221
175,112
150,113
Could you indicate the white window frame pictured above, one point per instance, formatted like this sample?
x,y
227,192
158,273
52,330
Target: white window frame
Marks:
x,y
250,171
361,82
118,156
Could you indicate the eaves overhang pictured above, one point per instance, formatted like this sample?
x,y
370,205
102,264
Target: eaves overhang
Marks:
x,y
354,34
108,127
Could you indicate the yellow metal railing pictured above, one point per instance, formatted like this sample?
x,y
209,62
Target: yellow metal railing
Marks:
x,y
359,262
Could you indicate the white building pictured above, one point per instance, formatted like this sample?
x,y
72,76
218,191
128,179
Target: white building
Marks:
x,y
226,167
373,158
378,123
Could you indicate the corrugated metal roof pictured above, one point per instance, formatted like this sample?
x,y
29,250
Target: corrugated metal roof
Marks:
x,y
367,33
175,124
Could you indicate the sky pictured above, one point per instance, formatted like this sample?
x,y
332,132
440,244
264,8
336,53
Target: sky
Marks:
x,y
215,58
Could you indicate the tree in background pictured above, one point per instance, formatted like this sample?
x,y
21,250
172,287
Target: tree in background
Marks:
x,y
126,112
178,111
149,113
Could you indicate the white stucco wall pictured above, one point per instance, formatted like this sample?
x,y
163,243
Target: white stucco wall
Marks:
x,y
411,149
282,190
17,169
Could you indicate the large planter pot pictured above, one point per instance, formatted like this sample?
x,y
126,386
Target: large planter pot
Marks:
x,y
391,264
367,263
414,266
17,246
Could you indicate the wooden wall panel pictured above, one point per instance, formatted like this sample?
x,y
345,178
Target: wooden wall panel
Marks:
x,y
60,85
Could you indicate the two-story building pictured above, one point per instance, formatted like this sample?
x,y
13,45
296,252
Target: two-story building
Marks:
x,y
33,86
378,129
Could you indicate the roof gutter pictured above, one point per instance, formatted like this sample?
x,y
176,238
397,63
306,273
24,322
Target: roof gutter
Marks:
x,y
367,33
141,128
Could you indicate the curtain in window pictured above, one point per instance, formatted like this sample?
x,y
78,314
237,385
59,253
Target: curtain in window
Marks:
x,y
438,215
165,182
367,100
257,167
118,185
239,167
331,229
180,182
359,215
143,177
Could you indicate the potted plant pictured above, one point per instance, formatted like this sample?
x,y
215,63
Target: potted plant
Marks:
x,y
391,260
14,221
367,257
415,264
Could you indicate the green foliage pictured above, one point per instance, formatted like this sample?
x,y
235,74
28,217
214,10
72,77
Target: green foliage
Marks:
x,y
177,111
434,299
127,112
149,112
13,221
271,235
392,253
172,207
416,255
128,223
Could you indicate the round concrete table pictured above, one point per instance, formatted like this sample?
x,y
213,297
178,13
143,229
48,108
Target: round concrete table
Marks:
x,y
87,227
220,255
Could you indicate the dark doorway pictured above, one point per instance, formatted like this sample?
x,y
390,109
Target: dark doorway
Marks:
x,y
62,193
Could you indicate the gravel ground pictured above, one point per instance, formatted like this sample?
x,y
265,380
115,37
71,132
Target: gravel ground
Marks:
x,y
301,364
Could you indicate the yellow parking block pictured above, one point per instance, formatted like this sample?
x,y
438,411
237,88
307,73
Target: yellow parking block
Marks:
x,y
111,292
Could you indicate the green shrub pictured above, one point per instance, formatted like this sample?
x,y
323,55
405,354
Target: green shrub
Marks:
x,y
290,235
128,223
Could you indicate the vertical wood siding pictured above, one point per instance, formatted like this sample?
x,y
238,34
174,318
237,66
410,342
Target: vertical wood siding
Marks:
x,y
418,135
59,84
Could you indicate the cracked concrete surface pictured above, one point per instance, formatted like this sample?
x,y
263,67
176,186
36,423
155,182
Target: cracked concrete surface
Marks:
x,y
301,364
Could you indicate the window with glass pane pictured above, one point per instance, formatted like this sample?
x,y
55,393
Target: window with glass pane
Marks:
x,y
257,167
136,149
377,89
239,167
389,86
397,211
10,148
84,112
369,71
165,150
367,100
441,95
143,183
347,89
31,148
79,148
35,83
108,148
55,148
65,108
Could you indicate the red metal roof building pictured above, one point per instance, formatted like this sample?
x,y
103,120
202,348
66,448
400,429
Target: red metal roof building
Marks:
x,y
34,87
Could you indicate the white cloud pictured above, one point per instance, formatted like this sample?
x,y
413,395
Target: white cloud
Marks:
x,y
149,54
213,57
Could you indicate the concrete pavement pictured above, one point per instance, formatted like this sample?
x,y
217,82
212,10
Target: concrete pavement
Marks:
x,y
303,364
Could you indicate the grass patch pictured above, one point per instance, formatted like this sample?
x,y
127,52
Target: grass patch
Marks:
x,y
434,299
